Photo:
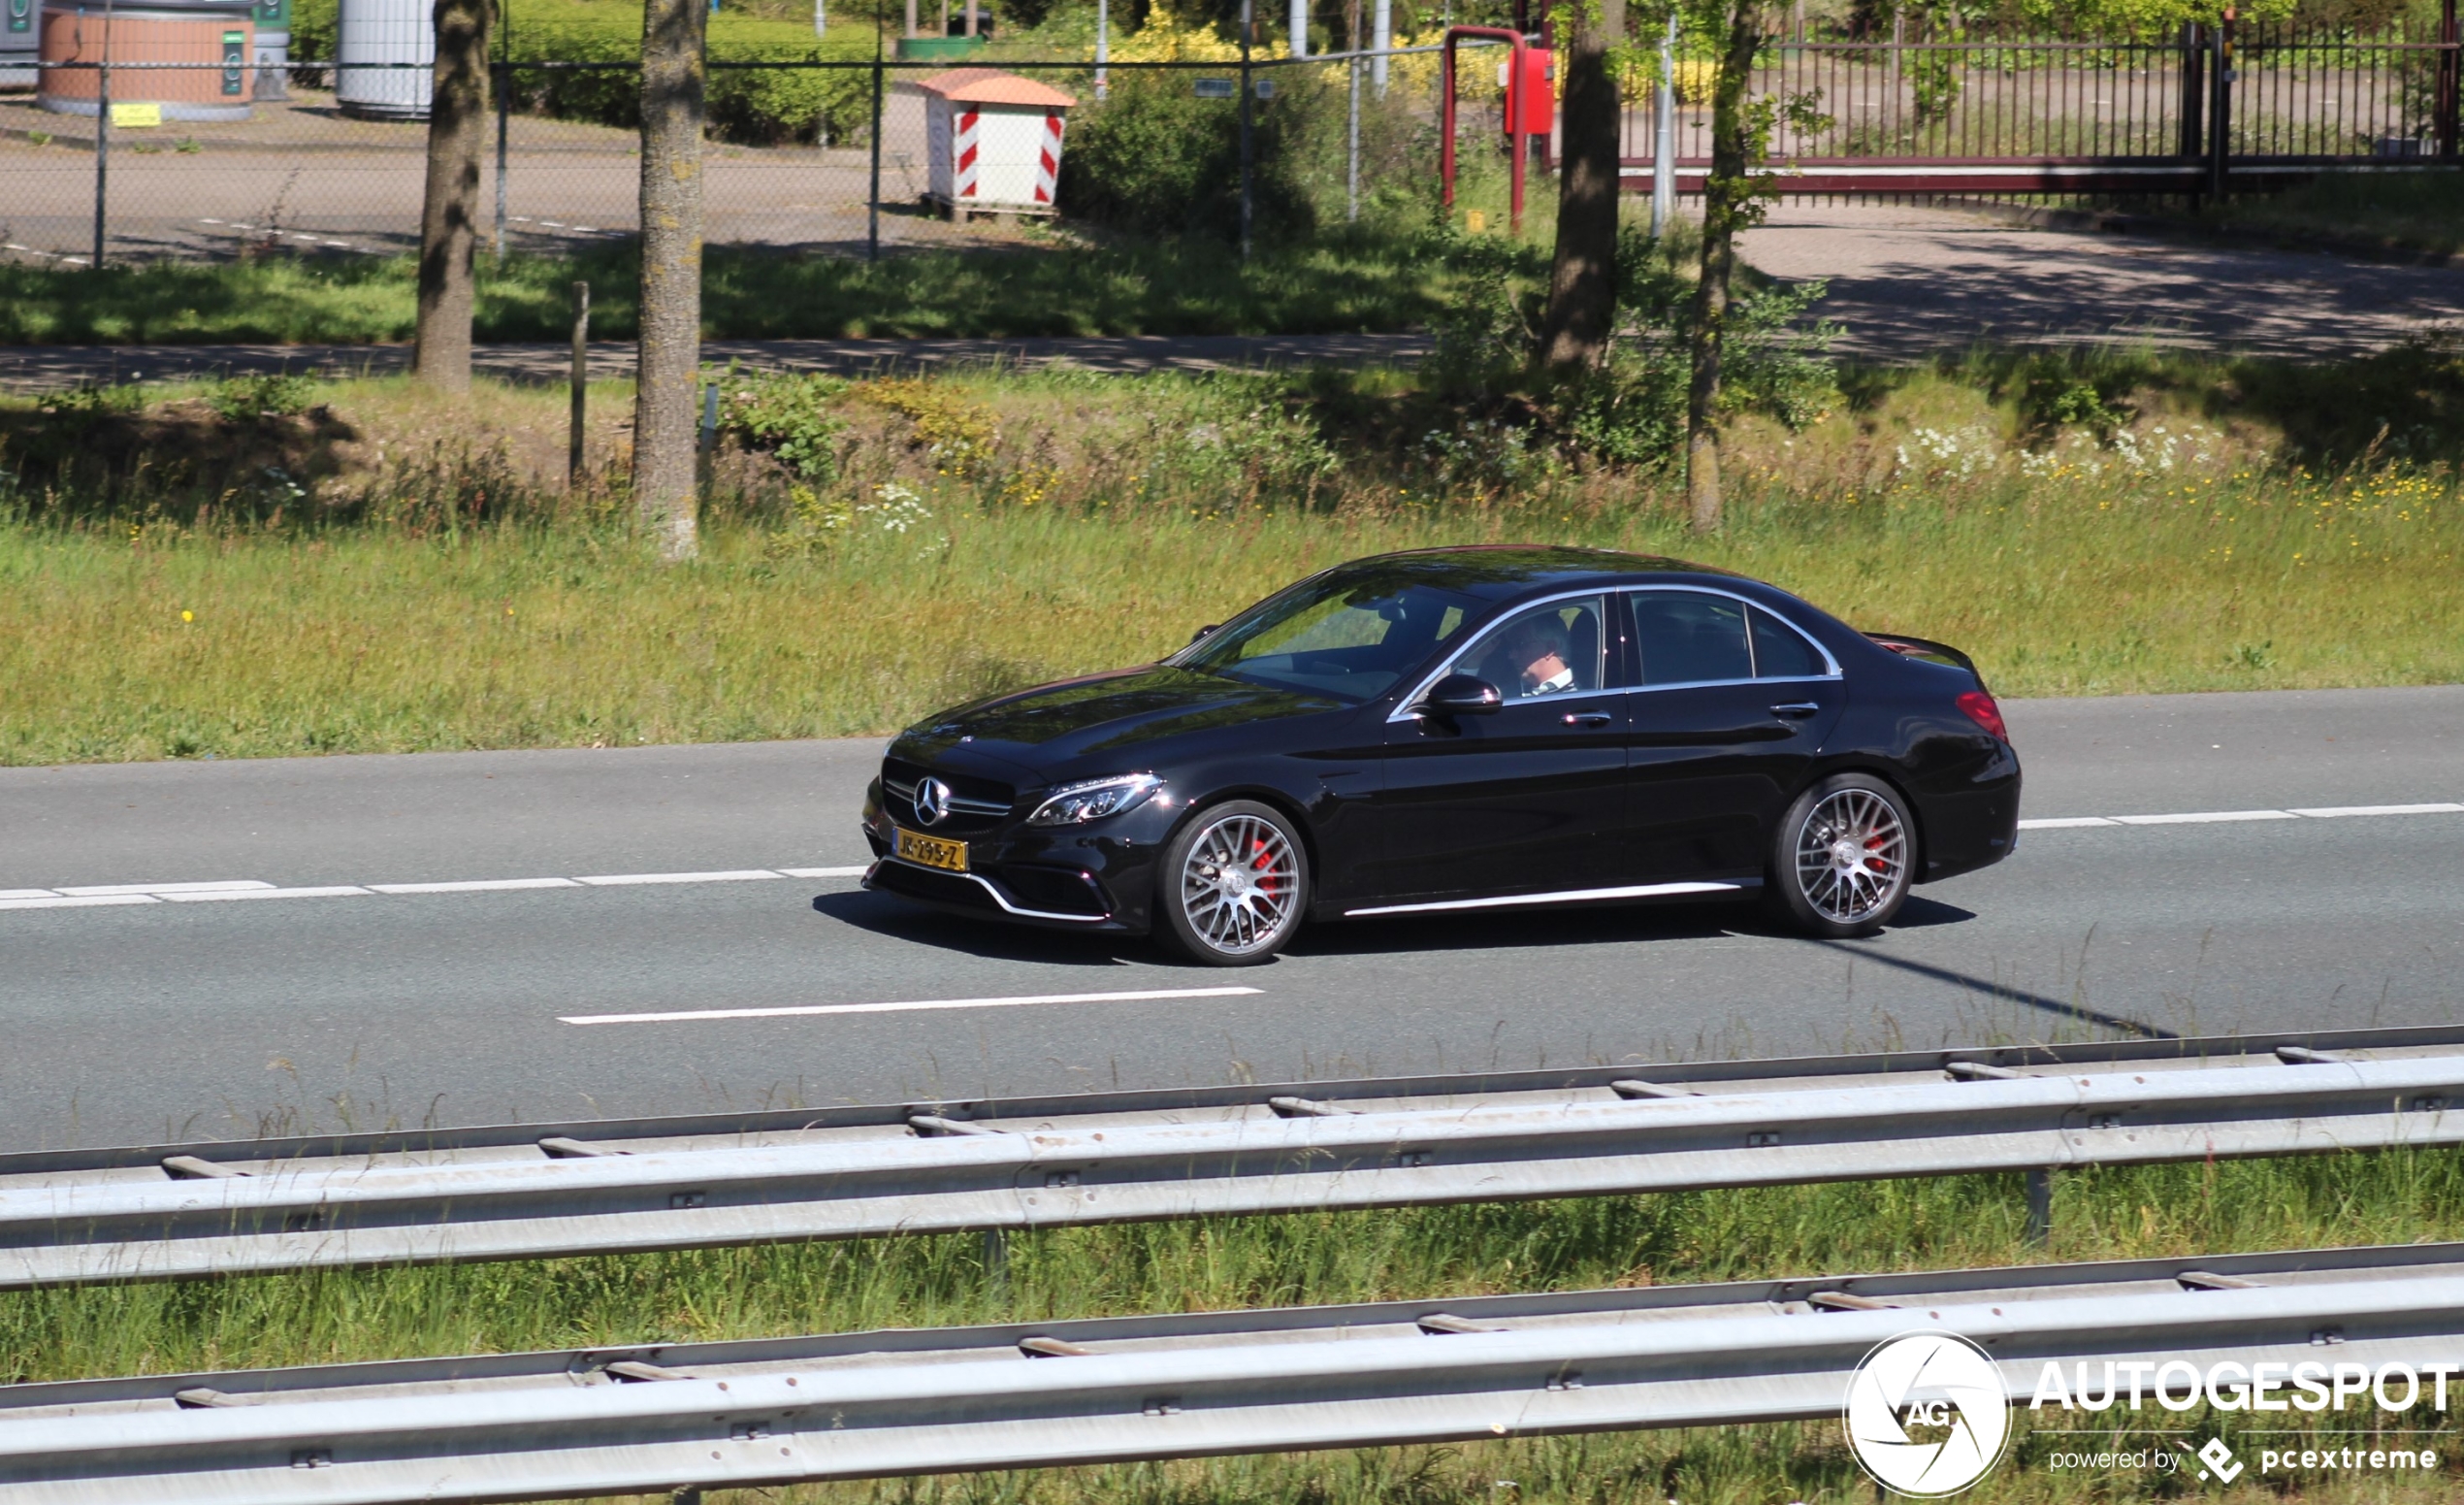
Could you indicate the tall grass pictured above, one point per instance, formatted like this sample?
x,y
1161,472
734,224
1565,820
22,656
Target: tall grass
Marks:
x,y
146,642
389,571
328,1317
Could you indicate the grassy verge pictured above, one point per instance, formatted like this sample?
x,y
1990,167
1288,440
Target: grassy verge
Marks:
x,y
2390,1198
390,571
1199,286
2410,212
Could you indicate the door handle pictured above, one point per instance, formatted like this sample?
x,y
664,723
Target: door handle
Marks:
x,y
1588,718
1795,711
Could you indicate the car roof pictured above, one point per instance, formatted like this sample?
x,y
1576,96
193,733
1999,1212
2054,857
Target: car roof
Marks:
x,y
1505,572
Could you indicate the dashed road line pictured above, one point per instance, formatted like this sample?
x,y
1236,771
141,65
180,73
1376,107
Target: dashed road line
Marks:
x,y
226,888
2217,817
804,1011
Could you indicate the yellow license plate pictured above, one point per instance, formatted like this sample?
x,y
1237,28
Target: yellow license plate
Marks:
x,y
932,851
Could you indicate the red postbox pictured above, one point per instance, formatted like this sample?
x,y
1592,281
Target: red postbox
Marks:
x,y
1531,100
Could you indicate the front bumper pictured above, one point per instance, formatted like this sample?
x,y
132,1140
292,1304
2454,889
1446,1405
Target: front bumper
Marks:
x,y
1095,878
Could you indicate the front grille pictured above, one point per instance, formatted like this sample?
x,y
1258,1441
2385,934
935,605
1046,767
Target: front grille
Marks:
x,y
936,888
975,804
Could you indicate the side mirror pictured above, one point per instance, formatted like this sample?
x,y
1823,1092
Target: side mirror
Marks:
x,y
1203,630
1459,695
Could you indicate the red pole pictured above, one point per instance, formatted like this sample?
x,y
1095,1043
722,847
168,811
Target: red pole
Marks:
x,y
1446,128
1514,118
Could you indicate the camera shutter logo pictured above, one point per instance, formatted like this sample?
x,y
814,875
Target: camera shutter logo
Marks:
x,y
932,802
1941,1384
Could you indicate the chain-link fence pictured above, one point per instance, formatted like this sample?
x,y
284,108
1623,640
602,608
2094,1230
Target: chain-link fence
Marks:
x,y
204,156
843,157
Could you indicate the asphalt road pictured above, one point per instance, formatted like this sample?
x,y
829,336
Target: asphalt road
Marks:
x,y
135,1015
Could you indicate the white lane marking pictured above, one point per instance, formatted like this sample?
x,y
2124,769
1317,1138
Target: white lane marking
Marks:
x,y
475,886
84,901
220,886
28,894
918,1005
827,872
741,876
332,891
2214,817
1569,897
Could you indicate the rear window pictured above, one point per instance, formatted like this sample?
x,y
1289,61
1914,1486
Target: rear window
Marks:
x,y
1689,638
1781,652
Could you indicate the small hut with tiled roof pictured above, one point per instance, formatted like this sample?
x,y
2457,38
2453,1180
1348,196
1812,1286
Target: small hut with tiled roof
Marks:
x,y
993,140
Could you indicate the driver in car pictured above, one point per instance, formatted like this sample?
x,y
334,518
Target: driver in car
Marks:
x,y
1539,646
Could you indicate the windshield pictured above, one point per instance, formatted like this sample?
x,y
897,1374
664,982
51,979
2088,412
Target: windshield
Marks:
x,y
1342,635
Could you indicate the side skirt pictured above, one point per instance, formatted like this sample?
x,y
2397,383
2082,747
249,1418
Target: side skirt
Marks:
x,y
1564,896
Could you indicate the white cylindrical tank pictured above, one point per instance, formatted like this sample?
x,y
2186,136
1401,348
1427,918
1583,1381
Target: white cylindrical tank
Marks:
x,y
993,141
378,36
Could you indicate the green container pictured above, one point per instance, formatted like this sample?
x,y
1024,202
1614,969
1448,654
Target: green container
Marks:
x,y
938,49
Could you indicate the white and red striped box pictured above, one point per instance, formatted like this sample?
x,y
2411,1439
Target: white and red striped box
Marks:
x,y
993,140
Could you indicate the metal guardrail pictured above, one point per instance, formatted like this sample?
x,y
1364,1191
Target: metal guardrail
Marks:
x,y
567,1190
633,1420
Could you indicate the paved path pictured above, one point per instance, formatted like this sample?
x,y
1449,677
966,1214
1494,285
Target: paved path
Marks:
x,y
43,368
133,1021
1910,281
1904,282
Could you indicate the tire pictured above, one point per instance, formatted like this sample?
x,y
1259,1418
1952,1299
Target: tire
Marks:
x,y
1843,857
1233,885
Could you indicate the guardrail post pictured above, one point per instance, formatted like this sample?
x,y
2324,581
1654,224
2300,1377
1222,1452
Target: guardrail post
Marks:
x,y
872,198
996,1261
581,384
102,136
2040,1207
503,81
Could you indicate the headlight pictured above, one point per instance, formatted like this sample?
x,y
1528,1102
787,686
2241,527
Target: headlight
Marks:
x,y
1075,805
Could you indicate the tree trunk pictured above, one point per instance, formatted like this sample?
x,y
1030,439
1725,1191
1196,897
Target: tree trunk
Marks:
x,y
449,215
1728,203
1582,287
672,76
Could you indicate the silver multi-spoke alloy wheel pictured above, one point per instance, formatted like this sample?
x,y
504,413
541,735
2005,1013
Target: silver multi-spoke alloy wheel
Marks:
x,y
1851,855
1845,856
1236,885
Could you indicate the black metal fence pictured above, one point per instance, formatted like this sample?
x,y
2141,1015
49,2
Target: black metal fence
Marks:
x,y
850,168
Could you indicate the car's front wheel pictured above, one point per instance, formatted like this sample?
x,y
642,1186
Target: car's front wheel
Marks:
x,y
1234,883
1841,861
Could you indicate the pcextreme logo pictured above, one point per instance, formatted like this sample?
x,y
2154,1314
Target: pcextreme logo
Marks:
x,y
1926,1414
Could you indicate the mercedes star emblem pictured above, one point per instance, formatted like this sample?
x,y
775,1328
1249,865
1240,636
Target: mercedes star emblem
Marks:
x,y
932,802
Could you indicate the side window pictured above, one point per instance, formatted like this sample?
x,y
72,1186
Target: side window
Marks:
x,y
1555,649
1687,639
1781,652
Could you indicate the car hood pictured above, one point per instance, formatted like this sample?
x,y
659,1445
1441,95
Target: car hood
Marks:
x,y
1131,711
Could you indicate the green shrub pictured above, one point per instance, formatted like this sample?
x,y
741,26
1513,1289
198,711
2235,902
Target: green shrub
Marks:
x,y
760,107
1156,160
246,399
789,416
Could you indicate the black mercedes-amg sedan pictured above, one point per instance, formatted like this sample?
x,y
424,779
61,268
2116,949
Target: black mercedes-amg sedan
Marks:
x,y
1461,728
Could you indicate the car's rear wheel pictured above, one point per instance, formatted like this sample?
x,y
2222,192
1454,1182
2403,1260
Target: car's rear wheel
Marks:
x,y
1233,886
1843,857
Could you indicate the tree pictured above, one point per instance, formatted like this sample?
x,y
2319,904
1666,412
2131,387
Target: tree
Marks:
x,y
1731,202
449,215
674,76
1582,284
